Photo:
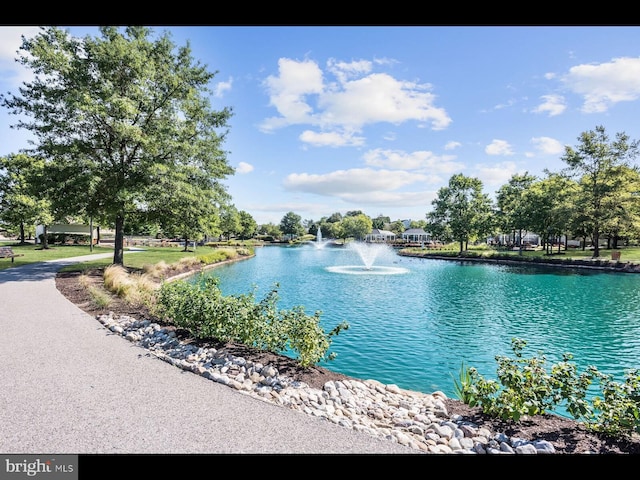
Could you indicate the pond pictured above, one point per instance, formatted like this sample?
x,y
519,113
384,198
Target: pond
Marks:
x,y
412,321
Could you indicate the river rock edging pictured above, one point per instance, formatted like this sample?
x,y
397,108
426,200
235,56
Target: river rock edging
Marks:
x,y
416,420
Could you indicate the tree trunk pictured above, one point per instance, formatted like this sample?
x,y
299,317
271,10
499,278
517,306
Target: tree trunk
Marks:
x,y
186,244
118,244
596,244
45,242
22,233
91,234
520,242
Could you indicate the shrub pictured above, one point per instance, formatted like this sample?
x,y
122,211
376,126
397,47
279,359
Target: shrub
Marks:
x,y
525,388
202,309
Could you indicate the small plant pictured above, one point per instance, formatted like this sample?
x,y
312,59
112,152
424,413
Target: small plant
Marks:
x,y
99,297
136,289
462,386
618,410
524,387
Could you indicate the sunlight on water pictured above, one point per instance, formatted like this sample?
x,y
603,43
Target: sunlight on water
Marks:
x,y
416,328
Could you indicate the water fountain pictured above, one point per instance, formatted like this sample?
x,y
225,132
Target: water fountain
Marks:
x,y
368,253
319,243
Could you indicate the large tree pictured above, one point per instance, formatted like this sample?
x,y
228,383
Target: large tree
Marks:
x,y
357,226
21,202
230,221
548,207
511,206
291,224
187,201
248,225
598,163
112,113
461,211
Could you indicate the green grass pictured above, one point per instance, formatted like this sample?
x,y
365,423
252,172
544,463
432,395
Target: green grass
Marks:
x,y
139,259
627,254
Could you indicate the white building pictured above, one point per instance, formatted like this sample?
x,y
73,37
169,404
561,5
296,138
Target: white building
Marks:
x,y
416,235
378,235
68,229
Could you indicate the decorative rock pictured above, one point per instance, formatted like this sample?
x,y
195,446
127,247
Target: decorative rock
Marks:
x,y
417,420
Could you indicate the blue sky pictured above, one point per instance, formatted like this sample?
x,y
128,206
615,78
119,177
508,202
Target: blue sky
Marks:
x,y
336,118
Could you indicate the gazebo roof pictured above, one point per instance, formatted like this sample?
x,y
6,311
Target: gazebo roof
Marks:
x,y
377,231
414,231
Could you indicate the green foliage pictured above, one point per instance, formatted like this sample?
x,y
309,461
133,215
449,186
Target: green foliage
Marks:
x,y
618,410
201,308
291,224
524,387
21,204
221,254
599,164
462,384
144,95
460,212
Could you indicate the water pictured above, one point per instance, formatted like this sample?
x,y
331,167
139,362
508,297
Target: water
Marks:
x,y
319,243
413,321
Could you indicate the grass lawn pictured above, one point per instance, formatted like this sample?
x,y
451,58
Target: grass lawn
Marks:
x,y
150,255
627,254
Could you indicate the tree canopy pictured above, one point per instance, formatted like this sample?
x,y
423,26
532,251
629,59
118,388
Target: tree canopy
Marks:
x,y
599,163
461,211
115,115
21,205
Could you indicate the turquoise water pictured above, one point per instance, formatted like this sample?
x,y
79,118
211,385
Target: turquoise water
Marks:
x,y
413,321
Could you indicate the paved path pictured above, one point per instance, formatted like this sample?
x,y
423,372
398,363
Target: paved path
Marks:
x,y
69,386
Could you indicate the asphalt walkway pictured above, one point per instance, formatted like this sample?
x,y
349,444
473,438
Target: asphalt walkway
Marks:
x,y
70,386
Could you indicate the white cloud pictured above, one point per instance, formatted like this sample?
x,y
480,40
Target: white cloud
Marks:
x,y
331,139
244,167
390,136
357,97
498,147
605,84
391,199
343,183
381,98
552,105
420,160
343,70
452,145
495,175
11,71
500,106
288,91
222,87
547,145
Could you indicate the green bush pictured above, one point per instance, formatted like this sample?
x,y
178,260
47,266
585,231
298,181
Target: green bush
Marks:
x,y
202,309
524,387
216,255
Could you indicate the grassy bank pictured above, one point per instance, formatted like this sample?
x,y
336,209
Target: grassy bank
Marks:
x,y
141,258
627,255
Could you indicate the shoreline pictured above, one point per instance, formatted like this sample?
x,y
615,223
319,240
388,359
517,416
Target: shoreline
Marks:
x,y
602,264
